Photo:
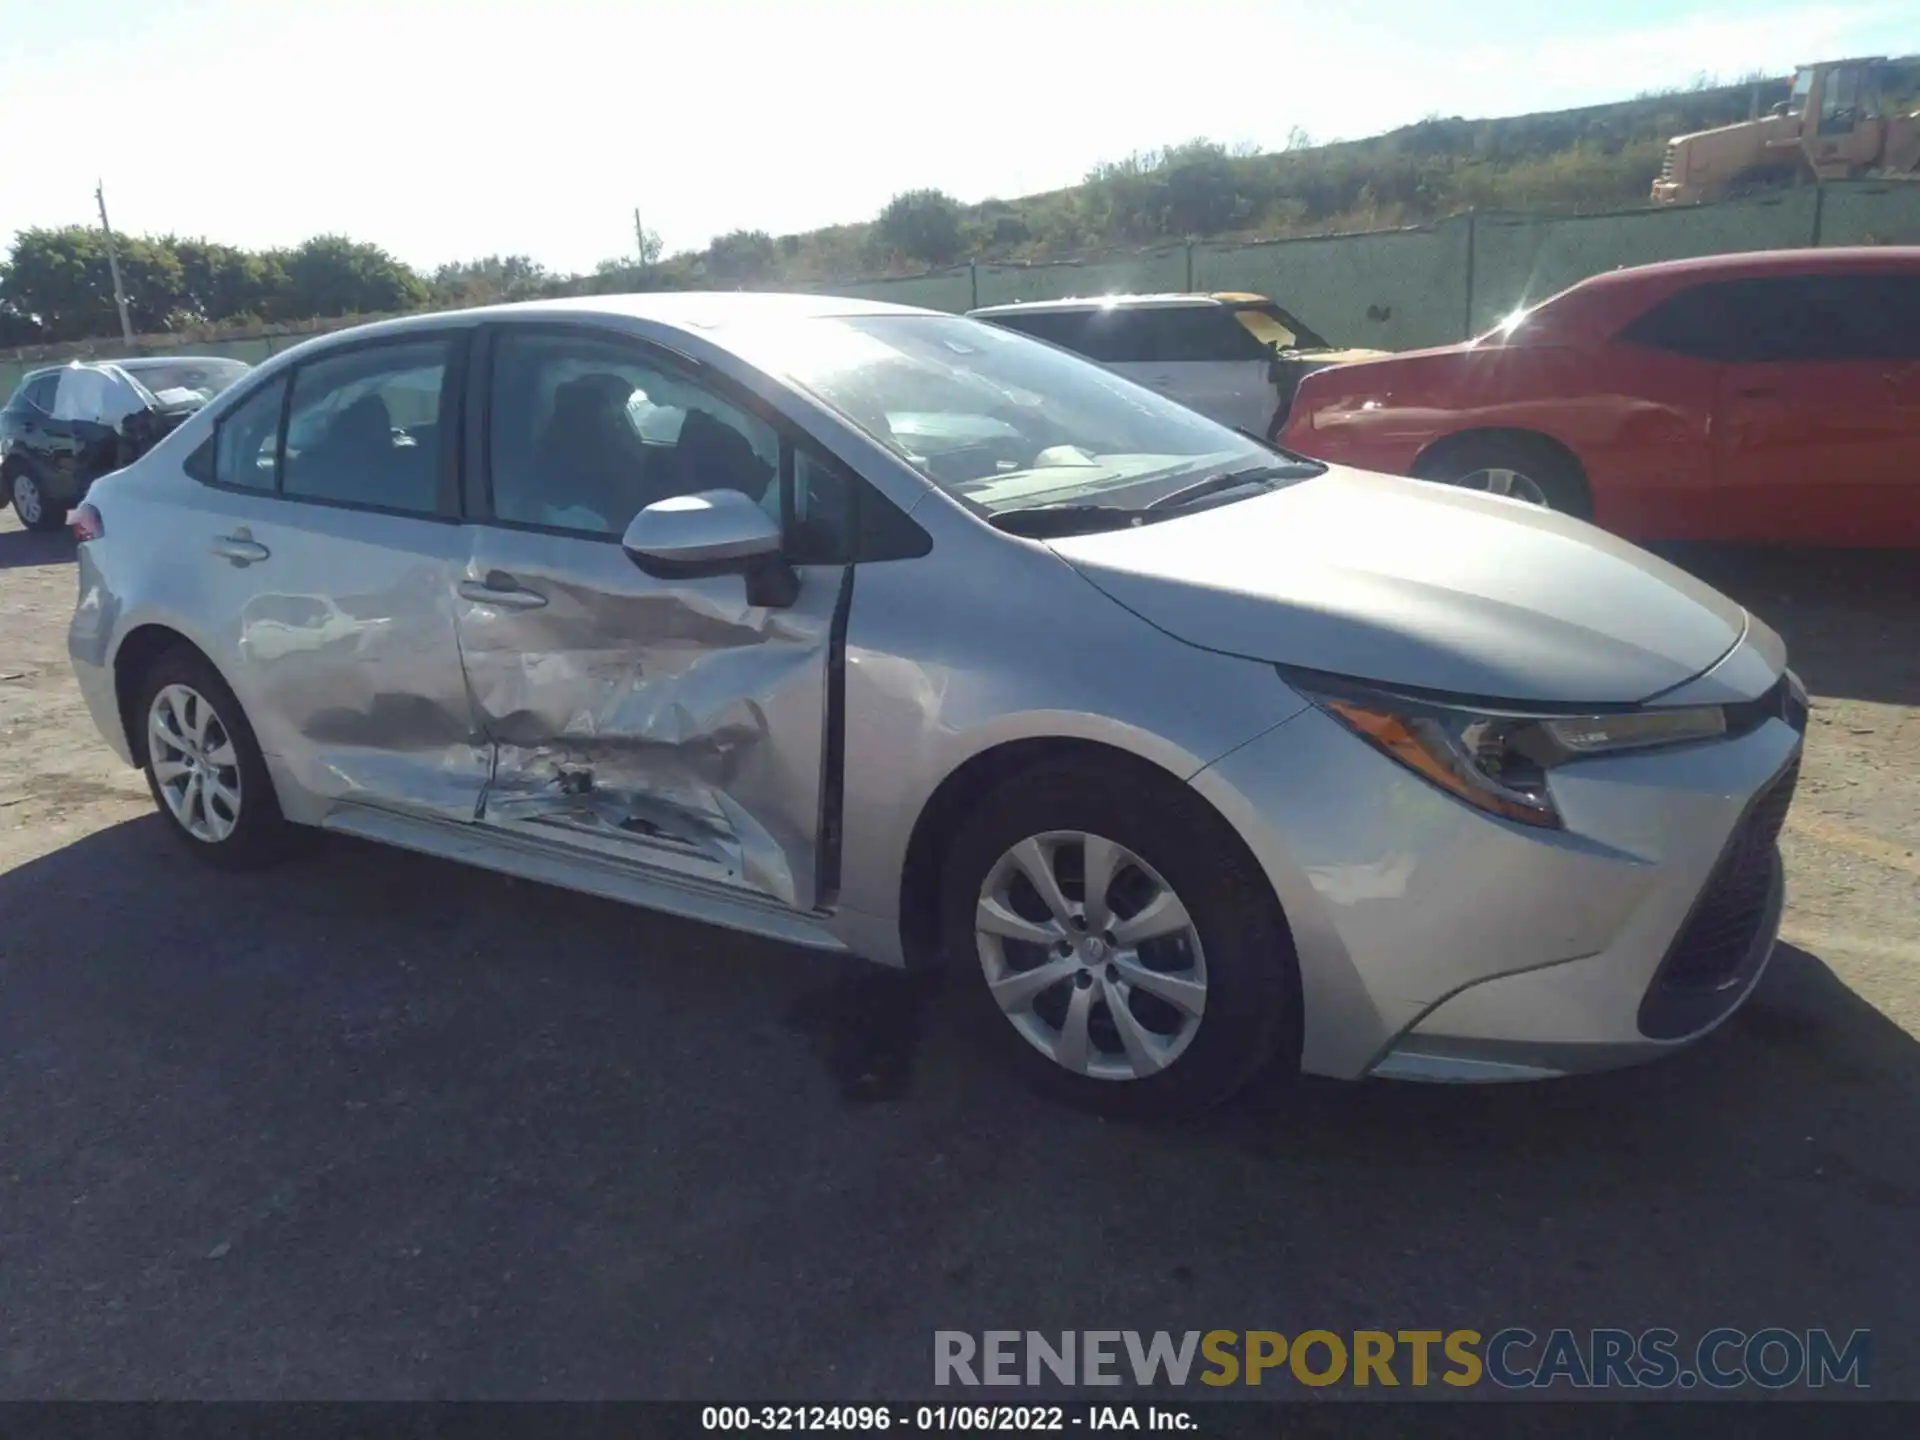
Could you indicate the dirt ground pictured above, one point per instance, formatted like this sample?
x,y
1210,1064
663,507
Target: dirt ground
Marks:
x,y
372,1125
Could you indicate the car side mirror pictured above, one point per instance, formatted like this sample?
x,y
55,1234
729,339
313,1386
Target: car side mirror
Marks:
x,y
713,532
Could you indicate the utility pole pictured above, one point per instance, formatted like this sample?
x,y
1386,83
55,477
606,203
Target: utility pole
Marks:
x,y
113,263
639,235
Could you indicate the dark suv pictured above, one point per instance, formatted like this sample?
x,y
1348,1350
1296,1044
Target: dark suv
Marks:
x,y
68,425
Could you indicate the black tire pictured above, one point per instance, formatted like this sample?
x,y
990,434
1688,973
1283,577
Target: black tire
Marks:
x,y
50,516
261,834
1252,1008
1545,465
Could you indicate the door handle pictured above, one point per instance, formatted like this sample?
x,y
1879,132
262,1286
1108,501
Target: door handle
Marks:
x,y
240,547
501,590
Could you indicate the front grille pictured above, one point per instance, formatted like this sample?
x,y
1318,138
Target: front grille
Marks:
x,y
1666,164
1716,950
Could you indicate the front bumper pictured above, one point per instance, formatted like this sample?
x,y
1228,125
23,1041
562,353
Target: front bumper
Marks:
x,y
1437,943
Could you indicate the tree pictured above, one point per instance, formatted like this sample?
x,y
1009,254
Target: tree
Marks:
x,y
922,225
63,277
1203,192
492,279
742,255
332,275
221,283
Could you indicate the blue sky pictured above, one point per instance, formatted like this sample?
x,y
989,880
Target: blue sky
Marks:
x,y
444,131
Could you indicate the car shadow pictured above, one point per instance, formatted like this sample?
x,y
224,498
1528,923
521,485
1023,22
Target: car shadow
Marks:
x,y
376,1124
21,548
1851,618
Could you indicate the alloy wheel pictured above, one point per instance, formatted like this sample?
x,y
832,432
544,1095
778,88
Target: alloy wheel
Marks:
x,y
1091,955
27,503
195,763
1497,480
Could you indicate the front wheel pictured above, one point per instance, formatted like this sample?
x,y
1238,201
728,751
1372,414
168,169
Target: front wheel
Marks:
x,y
204,766
1515,466
36,509
1123,943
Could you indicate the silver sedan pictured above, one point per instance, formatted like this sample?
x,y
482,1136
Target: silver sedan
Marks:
x,y
883,631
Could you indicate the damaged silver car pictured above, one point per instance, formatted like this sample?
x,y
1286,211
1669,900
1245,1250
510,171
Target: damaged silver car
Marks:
x,y
882,631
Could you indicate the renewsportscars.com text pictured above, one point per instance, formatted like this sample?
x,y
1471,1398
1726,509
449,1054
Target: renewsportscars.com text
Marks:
x,y
1512,1358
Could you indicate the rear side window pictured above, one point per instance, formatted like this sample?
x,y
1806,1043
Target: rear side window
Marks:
x,y
1143,334
1069,329
247,439
363,428
1113,336
1792,319
1191,334
39,392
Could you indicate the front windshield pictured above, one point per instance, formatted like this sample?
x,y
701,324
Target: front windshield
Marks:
x,y
184,381
1802,85
1003,421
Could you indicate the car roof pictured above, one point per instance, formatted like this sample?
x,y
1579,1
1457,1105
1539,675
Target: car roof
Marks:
x,y
1839,259
689,309
1170,300
147,362
713,311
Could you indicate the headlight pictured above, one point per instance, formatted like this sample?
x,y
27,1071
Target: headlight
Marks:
x,y
1498,761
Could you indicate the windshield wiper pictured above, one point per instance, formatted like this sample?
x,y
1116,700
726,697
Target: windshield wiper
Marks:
x,y
1231,480
1041,522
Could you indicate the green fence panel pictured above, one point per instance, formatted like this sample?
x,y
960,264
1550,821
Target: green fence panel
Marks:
x,y
1522,259
950,290
1148,272
1871,212
1388,289
253,351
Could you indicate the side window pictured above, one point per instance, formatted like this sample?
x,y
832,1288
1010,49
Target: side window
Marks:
x,y
1863,318
835,518
1117,336
247,438
1840,101
1183,334
364,427
1065,328
820,528
82,394
40,391
1701,321
585,432
1802,319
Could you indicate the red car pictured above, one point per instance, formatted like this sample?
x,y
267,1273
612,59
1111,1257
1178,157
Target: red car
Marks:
x,y
1761,397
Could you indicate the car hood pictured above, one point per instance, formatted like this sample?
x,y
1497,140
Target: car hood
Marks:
x,y
1420,586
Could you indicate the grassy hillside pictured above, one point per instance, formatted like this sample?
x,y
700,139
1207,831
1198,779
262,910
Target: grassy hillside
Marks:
x,y
1597,158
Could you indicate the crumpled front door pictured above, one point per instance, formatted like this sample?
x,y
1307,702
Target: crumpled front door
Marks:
x,y
669,723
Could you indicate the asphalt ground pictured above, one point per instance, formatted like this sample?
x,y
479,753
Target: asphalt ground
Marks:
x,y
376,1126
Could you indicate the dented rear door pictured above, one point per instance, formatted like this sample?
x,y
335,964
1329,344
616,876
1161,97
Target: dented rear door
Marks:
x,y
669,723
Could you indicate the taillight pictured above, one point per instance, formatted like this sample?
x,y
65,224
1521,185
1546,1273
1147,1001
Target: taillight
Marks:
x,y
85,523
